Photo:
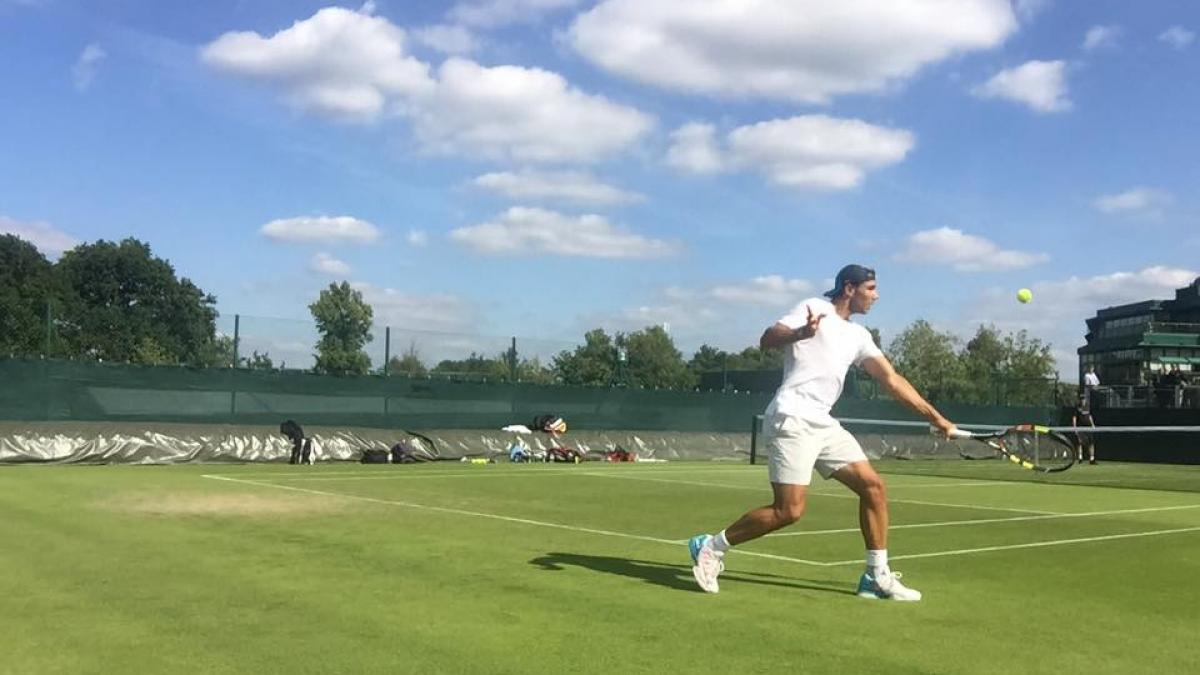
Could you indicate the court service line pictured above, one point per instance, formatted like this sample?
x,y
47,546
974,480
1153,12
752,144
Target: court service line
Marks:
x,y
494,516
981,521
825,494
1036,544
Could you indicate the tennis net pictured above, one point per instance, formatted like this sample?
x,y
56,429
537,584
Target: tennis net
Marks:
x,y
1136,457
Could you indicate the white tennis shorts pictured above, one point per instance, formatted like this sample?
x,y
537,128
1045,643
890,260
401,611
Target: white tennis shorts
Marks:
x,y
795,446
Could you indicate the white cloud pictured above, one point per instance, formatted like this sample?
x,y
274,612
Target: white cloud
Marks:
x,y
714,314
797,50
48,239
353,66
565,186
321,229
83,73
492,13
1177,36
808,151
338,62
675,318
694,149
1041,85
522,114
1101,36
417,238
1138,199
323,263
964,252
1028,9
447,39
433,312
772,291
1059,308
526,230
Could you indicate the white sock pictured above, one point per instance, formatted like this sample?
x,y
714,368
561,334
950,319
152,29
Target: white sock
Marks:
x,y
877,561
719,543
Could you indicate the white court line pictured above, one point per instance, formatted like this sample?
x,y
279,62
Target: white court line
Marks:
x,y
524,473
1036,544
461,468
823,494
672,542
494,516
980,521
398,476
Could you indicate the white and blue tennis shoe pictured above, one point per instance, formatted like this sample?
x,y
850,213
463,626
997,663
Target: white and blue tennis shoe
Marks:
x,y
885,586
707,564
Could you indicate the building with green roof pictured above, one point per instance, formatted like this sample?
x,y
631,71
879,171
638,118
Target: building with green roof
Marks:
x,y
1132,344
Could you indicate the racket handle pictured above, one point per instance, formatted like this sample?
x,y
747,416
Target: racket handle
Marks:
x,y
957,433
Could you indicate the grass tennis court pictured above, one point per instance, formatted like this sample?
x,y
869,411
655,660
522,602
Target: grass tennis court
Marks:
x,y
443,568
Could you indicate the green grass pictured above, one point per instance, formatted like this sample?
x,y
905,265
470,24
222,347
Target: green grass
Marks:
x,y
455,569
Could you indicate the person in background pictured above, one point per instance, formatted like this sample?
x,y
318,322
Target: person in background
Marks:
x,y
1082,419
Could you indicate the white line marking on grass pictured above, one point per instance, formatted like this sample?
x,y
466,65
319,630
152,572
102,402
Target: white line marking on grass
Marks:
x,y
494,516
981,521
396,476
1036,544
457,468
823,494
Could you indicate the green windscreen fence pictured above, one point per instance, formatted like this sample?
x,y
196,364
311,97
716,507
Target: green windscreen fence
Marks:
x,y
74,391
78,391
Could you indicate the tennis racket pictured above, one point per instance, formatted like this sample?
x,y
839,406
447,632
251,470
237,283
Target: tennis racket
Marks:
x,y
1029,446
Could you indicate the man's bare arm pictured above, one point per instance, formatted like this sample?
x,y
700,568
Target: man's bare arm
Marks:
x,y
781,335
881,369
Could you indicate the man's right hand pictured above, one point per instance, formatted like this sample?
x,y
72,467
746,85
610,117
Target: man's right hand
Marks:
x,y
809,329
945,427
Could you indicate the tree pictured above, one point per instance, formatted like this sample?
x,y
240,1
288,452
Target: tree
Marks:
x,y
985,360
475,365
1013,369
1030,370
654,362
258,361
27,285
409,363
344,321
708,359
534,372
928,360
754,358
592,363
123,304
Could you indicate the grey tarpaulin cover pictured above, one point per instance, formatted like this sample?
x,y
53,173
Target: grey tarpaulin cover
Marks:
x,y
169,443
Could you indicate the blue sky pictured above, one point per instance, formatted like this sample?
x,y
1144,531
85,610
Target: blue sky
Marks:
x,y
541,167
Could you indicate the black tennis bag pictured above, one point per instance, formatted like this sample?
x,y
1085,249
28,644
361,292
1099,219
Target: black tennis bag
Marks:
x,y
405,452
375,456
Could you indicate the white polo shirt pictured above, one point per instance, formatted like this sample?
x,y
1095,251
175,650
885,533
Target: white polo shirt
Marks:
x,y
814,370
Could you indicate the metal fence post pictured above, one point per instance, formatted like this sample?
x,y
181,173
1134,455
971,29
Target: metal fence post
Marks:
x,y
387,349
512,360
49,330
237,338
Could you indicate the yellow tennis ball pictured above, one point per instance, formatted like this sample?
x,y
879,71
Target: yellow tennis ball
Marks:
x,y
1024,295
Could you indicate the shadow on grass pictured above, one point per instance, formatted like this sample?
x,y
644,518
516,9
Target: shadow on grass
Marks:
x,y
676,576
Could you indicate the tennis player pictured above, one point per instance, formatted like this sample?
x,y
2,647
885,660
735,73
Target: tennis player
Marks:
x,y
820,344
